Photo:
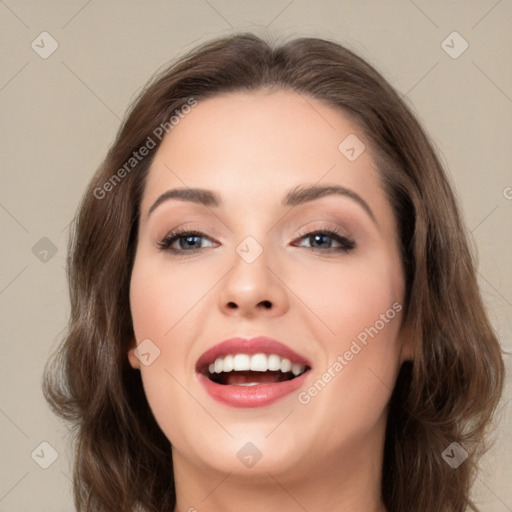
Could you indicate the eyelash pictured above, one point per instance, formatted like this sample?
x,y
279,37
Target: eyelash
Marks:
x,y
346,244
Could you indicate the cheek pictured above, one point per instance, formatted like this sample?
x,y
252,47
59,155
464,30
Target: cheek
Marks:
x,y
151,304
161,296
361,305
159,302
350,297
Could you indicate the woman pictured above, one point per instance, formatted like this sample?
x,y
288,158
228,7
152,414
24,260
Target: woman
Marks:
x,y
322,344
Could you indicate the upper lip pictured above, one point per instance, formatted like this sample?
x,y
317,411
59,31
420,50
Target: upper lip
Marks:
x,y
255,345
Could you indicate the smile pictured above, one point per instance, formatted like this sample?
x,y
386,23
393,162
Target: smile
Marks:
x,y
251,373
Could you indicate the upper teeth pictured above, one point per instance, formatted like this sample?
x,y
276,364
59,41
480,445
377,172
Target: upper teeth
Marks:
x,y
256,363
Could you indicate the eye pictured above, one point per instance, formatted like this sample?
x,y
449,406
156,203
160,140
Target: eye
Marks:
x,y
188,241
324,238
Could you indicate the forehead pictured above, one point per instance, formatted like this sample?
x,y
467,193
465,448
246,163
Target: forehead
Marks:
x,y
252,146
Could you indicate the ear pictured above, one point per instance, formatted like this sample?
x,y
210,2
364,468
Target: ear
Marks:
x,y
134,361
405,341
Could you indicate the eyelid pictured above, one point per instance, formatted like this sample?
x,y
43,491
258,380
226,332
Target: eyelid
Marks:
x,y
323,225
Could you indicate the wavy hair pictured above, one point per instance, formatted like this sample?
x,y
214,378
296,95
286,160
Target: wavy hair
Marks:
x,y
448,393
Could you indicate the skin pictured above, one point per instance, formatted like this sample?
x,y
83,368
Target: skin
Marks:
x,y
251,148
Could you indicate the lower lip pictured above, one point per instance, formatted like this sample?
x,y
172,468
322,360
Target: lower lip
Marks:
x,y
251,396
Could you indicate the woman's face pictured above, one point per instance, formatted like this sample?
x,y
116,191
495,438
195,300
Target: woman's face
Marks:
x,y
262,261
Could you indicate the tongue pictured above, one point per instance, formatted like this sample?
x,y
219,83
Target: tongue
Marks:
x,y
268,377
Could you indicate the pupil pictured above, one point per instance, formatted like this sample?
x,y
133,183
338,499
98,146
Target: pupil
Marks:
x,y
189,238
319,236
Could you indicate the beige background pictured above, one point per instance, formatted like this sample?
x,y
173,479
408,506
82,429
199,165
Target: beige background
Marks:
x,y
60,114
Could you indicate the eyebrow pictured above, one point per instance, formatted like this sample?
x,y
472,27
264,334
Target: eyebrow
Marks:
x,y
299,195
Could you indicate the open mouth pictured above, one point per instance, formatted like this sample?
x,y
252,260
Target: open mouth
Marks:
x,y
252,370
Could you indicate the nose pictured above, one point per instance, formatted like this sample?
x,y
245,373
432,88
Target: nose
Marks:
x,y
254,288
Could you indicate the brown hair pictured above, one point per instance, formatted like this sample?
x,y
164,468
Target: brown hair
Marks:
x,y
448,394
